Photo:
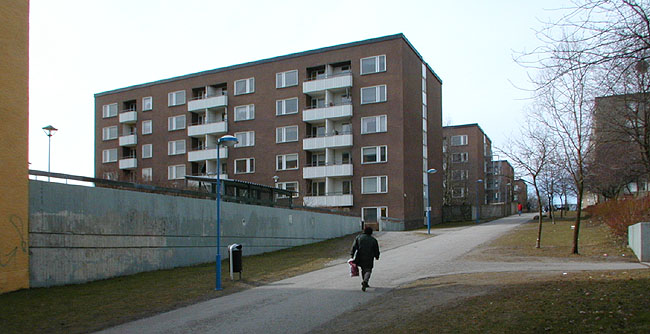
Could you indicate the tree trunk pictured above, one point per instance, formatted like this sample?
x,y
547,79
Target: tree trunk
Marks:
x,y
538,244
576,230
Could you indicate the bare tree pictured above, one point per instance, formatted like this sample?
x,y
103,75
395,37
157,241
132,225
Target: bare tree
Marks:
x,y
529,153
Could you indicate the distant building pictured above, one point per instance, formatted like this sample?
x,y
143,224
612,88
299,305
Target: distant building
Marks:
x,y
501,181
354,126
520,192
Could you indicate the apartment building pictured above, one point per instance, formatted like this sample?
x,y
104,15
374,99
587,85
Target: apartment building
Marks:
x,y
467,160
500,182
353,126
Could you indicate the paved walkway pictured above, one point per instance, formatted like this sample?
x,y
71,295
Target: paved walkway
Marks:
x,y
301,303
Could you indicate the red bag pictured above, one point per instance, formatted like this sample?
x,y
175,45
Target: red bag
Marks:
x,y
354,270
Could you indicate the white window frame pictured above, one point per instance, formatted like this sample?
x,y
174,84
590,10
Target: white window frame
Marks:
x,y
381,124
464,157
377,92
147,103
245,139
109,110
176,147
110,176
281,161
174,172
148,175
379,211
281,134
378,184
176,98
147,148
461,140
281,79
459,174
109,155
454,192
109,133
378,64
283,185
174,124
250,165
249,86
147,127
247,110
281,107
378,150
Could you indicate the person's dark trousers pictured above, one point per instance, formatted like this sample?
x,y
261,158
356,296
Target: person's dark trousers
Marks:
x,y
365,274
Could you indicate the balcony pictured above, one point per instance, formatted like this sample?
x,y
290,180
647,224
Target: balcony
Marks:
x,y
335,112
334,200
333,170
129,140
330,82
207,154
200,130
211,102
129,163
332,141
129,117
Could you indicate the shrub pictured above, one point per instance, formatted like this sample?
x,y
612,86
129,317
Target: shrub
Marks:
x,y
621,213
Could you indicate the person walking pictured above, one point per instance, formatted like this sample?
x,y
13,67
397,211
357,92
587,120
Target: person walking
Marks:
x,y
519,207
365,250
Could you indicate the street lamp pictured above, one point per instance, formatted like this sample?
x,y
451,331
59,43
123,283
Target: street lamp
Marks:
x,y
478,206
229,141
430,171
49,131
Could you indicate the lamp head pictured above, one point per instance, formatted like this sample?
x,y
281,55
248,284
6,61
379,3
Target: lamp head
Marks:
x,y
432,171
479,181
49,130
275,179
228,140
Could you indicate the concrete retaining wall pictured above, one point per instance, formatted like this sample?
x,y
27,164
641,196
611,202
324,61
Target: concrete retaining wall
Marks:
x,y
639,240
79,234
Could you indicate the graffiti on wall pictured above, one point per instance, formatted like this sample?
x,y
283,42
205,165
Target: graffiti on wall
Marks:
x,y
9,256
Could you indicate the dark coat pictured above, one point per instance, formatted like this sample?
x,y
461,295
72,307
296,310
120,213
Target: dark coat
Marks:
x,y
367,249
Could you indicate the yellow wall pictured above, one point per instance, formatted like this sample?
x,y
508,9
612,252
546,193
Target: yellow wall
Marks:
x,y
14,257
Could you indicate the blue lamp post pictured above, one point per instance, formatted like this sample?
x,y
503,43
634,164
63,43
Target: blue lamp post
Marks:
x,y
49,132
478,205
430,171
229,141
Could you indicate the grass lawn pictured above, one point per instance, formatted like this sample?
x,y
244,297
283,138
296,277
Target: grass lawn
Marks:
x,y
92,306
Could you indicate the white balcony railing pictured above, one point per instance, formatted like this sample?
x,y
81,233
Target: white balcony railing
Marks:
x,y
128,117
129,140
329,201
336,112
128,163
207,154
338,81
200,130
213,102
318,172
320,143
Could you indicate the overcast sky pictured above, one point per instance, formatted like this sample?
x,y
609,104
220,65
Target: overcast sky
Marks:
x,y
79,48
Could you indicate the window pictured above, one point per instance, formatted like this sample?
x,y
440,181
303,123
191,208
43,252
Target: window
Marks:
x,y
285,107
457,175
245,86
245,139
147,127
459,157
147,174
374,214
110,176
374,154
318,188
176,98
147,103
374,184
243,166
147,151
292,186
459,140
286,79
244,113
176,123
373,94
373,64
458,192
286,134
373,124
109,110
176,147
317,159
109,155
109,132
287,161
176,172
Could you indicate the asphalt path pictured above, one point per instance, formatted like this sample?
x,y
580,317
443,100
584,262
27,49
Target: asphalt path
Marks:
x,y
302,303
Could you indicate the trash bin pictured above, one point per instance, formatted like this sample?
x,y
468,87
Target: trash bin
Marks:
x,y
235,255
